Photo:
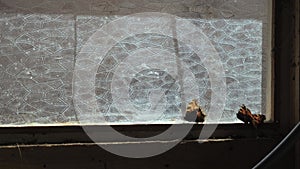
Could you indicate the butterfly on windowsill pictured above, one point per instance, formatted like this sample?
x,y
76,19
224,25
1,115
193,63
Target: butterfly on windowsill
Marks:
x,y
245,115
194,113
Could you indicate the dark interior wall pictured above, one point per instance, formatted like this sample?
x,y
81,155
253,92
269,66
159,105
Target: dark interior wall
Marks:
x,y
213,154
224,154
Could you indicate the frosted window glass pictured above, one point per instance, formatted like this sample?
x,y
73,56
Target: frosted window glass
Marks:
x,y
41,42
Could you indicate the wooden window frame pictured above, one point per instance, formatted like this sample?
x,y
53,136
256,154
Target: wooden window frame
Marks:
x,y
285,89
48,143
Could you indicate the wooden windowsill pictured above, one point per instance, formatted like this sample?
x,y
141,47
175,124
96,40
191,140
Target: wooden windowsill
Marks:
x,y
32,135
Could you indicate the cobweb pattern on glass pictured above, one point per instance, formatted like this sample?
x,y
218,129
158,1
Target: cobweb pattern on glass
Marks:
x,y
38,52
150,80
239,44
36,65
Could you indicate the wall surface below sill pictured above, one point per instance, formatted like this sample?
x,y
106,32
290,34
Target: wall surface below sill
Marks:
x,y
233,154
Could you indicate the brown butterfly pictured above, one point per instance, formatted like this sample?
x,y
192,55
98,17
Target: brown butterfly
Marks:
x,y
247,117
194,112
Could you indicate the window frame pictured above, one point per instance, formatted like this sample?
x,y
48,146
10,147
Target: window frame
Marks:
x,y
283,90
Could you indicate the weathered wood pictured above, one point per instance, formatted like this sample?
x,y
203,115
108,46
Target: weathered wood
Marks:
x,y
75,134
242,153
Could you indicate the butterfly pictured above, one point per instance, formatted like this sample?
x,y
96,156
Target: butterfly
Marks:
x,y
247,117
194,113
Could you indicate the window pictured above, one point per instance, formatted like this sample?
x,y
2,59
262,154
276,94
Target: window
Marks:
x,y
48,49
39,45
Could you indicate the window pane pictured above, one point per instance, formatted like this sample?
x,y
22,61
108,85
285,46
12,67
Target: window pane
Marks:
x,y
64,61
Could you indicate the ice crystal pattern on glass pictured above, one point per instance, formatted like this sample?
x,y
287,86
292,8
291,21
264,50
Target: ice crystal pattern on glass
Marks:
x,y
38,53
238,43
36,63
